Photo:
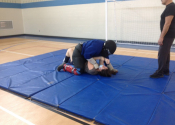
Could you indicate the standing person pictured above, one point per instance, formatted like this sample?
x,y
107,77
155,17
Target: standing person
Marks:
x,y
167,26
86,51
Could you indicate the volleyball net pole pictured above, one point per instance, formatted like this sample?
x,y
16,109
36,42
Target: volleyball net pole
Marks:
x,y
106,19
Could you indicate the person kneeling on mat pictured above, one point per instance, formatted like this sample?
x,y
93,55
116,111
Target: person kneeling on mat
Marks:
x,y
84,52
89,68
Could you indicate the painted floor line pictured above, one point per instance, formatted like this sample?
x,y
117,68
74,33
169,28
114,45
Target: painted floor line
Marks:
x,y
16,116
17,53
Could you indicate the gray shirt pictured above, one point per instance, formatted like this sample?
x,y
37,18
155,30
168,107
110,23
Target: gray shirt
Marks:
x,y
92,71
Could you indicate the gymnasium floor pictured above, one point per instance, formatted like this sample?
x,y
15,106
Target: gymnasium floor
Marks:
x,y
18,111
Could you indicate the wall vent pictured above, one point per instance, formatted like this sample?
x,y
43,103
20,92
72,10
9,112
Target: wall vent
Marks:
x,y
6,25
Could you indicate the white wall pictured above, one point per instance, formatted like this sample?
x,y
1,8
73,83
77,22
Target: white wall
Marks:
x,y
10,1
81,21
22,1
15,15
137,20
32,1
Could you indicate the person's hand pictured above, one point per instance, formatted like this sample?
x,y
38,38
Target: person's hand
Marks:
x,y
107,61
102,67
160,42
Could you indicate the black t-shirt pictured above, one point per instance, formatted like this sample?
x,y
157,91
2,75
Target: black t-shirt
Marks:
x,y
169,11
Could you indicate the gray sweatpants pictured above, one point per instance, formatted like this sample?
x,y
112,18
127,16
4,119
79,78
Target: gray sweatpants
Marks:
x,y
164,55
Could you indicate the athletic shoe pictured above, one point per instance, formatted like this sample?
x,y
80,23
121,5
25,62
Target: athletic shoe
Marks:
x,y
156,75
60,67
166,73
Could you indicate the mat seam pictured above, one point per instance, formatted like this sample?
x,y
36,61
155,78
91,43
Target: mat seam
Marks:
x,y
59,112
121,90
27,69
48,107
79,91
162,93
154,110
32,57
168,81
50,86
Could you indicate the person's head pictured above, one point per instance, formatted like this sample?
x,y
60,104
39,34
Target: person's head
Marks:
x,y
90,69
105,73
166,2
109,48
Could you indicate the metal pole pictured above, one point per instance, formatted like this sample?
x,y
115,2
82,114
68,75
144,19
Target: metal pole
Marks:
x,y
106,20
115,20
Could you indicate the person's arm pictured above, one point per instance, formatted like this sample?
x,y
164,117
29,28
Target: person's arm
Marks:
x,y
166,26
94,63
109,65
100,58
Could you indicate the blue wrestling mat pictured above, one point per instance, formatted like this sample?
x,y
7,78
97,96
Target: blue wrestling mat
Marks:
x,y
128,98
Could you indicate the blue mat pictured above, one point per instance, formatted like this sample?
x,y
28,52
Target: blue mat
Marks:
x,y
128,98
59,93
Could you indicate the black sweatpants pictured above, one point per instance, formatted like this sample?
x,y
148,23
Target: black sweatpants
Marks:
x,y
164,55
78,60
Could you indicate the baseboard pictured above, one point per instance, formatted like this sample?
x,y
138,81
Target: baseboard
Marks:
x,y
11,36
75,38
60,37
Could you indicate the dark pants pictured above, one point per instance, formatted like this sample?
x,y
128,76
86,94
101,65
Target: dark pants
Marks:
x,y
164,55
78,60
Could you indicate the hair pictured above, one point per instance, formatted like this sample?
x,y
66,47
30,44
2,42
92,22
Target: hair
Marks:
x,y
105,73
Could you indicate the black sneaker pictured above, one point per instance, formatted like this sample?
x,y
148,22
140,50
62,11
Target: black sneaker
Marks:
x,y
60,67
156,75
167,73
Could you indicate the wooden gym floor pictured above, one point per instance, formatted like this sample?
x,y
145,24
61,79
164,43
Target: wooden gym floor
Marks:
x,y
15,110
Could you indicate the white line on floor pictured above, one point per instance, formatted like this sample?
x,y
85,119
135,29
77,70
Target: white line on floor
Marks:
x,y
16,116
17,53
